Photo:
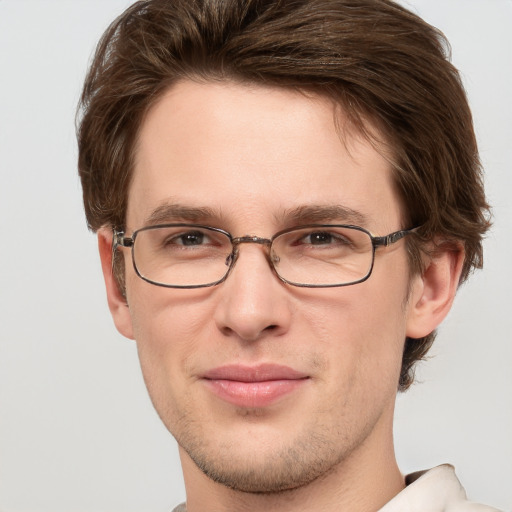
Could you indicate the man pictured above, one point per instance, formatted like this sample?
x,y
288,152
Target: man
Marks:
x,y
287,195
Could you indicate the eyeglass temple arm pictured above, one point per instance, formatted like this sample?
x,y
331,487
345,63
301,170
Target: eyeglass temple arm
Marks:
x,y
118,239
392,238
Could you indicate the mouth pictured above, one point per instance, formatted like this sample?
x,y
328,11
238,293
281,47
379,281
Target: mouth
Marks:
x,y
253,386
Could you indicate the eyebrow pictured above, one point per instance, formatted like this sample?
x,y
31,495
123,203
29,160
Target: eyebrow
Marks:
x,y
172,212
312,214
300,215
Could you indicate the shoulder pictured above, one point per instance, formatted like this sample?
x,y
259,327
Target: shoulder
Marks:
x,y
435,490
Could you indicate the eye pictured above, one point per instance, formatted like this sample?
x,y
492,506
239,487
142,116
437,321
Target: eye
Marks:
x,y
318,238
190,238
324,238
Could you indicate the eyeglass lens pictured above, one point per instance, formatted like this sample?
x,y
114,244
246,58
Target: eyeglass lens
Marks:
x,y
184,256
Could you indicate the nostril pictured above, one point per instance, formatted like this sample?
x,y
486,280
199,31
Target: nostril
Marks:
x,y
270,328
227,331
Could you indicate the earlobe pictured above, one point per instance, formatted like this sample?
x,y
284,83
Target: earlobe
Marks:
x,y
116,300
434,291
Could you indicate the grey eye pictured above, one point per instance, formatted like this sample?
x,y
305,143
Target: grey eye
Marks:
x,y
191,238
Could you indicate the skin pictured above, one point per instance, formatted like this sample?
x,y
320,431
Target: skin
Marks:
x,y
251,155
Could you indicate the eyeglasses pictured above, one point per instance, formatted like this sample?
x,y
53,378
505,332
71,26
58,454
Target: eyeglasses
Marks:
x,y
196,256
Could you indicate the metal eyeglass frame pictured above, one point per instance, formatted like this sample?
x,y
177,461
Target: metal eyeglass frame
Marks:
x,y
120,240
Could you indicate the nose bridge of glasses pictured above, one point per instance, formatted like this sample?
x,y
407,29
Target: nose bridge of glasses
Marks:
x,y
236,242
251,240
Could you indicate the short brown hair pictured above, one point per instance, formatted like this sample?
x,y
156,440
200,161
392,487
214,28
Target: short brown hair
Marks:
x,y
375,58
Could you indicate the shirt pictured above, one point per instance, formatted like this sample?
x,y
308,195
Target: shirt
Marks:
x,y
435,490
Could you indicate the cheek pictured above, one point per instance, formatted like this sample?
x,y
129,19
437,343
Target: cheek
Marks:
x,y
168,326
361,331
382,328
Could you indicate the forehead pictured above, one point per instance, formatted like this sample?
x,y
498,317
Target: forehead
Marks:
x,y
245,151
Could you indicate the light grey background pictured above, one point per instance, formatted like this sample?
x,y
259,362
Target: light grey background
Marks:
x,y
77,430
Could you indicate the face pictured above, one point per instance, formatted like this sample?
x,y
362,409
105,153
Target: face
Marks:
x,y
266,386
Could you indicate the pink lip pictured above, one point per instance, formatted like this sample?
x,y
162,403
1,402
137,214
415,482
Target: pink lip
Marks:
x,y
253,386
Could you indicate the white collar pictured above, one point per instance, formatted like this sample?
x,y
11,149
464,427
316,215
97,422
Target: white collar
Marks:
x,y
435,490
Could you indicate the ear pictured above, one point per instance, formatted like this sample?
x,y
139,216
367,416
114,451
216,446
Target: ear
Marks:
x,y
116,301
434,290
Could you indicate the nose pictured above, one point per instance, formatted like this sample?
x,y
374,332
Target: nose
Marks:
x,y
253,302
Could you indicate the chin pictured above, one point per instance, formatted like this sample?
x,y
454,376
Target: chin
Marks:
x,y
269,470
